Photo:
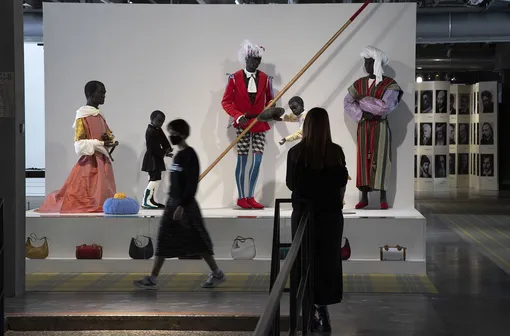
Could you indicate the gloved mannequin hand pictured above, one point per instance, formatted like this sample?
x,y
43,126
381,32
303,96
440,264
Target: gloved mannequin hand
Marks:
x,y
243,121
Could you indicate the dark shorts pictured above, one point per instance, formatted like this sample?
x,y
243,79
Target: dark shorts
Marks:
x,y
155,175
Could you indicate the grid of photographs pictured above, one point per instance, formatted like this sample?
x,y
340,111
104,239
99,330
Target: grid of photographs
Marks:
x,y
455,136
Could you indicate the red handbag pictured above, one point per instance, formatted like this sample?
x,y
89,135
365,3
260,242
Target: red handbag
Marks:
x,y
93,251
346,250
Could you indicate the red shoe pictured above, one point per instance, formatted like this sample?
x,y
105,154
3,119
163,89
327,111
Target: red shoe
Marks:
x,y
254,204
361,205
243,203
384,205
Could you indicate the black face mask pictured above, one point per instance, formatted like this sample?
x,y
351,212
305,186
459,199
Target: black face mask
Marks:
x,y
175,139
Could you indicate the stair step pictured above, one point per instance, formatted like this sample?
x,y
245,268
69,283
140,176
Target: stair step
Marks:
x,y
66,322
128,333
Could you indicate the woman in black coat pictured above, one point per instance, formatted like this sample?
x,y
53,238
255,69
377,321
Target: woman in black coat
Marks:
x,y
317,176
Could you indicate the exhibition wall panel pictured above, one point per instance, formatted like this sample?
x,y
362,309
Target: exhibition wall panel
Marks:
x,y
471,137
34,105
431,139
175,57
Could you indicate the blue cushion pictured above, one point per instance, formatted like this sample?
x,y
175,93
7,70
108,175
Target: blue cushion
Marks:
x,y
121,206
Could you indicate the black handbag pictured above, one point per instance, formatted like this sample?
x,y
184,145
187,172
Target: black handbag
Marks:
x,y
137,251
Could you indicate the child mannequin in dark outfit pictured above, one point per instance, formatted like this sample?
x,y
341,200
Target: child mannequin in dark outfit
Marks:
x,y
157,148
182,229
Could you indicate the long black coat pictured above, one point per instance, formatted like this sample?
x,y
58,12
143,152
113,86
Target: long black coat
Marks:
x,y
324,191
157,145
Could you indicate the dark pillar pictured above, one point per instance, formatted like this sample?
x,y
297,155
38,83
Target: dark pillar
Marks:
x,y
12,144
503,134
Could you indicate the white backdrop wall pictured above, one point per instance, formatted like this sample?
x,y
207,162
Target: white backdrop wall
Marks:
x,y
34,106
175,58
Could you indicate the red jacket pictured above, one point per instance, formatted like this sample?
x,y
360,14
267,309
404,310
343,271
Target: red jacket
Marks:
x,y
236,101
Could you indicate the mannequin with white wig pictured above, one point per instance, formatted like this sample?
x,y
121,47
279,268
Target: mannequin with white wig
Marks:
x,y
248,92
368,102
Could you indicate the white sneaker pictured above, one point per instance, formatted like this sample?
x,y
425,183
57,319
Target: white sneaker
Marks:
x,y
145,283
214,280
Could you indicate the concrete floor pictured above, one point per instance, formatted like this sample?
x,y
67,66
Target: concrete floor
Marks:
x,y
473,299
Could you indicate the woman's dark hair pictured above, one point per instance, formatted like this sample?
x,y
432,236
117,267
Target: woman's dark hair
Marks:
x,y
157,113
316,149
180,126
91,87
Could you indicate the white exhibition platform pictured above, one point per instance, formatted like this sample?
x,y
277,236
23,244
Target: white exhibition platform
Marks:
x,y
367,230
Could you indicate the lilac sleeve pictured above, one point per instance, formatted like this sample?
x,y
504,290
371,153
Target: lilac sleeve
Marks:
x,y
381,107
352,108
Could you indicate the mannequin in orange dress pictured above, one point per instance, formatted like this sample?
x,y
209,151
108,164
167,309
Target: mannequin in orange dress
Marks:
x,y
91,180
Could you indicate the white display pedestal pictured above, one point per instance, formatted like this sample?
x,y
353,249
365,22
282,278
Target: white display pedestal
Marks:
x,y
367,230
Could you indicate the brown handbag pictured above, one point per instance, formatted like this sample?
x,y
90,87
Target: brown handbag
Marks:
x,y
39,252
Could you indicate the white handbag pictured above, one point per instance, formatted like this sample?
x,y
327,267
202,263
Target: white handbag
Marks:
x,y
393,253
243,249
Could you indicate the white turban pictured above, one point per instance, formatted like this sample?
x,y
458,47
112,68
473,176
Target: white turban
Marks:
x,y
249,49
380,58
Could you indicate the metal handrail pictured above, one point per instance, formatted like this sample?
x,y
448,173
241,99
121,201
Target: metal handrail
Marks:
x,y
301,283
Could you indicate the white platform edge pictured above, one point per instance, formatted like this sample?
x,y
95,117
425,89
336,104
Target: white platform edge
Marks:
x,y
410,267
235,213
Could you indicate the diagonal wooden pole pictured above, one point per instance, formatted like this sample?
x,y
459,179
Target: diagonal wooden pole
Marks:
x,y
287,87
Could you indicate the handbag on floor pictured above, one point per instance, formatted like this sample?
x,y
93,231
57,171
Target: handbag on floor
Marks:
x,y
137,251
243,248
393,253
93,251
36,252
346,250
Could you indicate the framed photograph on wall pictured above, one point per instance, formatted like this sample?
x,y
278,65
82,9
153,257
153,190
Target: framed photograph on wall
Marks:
x,y
441,134
440,166
487,102
426,101
426,134
453,98
463,164
451,163
487,133
487,165
463,104
426,166
463,134
441,101
451,134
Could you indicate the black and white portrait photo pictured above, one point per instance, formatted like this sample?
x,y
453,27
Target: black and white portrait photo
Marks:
x,y
475,103
463,134
452,104
415,166
487,102
426,166
426,102
440,163
487,164
486,134
451,134
451,164
464,103
441,97
426,134
440,134
415,134
477,131
415,101
463,165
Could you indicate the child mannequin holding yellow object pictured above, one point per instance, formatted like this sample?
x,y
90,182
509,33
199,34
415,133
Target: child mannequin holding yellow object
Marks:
x,y
298,114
